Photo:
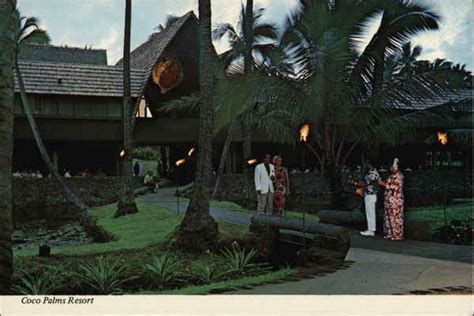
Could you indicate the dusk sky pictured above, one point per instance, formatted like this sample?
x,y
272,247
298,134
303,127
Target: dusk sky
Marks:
x,y
100,23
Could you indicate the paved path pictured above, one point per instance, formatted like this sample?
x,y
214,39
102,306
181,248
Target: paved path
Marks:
x,y
378,266
165,198
376,272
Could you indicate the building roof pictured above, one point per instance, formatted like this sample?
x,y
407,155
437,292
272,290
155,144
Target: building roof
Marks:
x,y
77,79
63,54
146,55
461,98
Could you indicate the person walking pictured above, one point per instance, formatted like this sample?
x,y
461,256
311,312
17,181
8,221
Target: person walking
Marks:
x,y
393,203
263,177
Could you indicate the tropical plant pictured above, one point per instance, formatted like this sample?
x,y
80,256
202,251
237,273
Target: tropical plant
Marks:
x,y
146,153
104,276
206,274
198,231
27,31
239,262
347,99
126,203
170,19
32,284
8,22
252,38
163,271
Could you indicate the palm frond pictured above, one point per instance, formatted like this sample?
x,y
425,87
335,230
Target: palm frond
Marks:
x,y
188,103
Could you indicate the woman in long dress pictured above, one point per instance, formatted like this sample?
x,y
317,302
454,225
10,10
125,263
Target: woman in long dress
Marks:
x,y
281,185
393,204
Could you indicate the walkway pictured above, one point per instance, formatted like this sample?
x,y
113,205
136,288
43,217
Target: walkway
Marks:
x,y
378,266
165,198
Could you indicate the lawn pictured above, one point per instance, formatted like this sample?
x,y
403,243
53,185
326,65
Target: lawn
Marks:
x,y
140,238
151,226
435,214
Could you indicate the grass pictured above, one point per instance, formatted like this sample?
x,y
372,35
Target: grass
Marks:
x,y
435,214
150,226
252,280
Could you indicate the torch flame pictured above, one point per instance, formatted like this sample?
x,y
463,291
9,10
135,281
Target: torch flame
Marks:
x,y
191,151
180,162
122,153
304,132
443,138
251,162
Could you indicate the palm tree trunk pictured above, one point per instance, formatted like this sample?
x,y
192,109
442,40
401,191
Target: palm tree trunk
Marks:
x,y
248,59
97,233
126,204
198,231
248,36
8,22
224,155
39,142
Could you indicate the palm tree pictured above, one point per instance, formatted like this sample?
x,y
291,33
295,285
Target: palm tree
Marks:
x,y
345,89
251,40
8,22
198,231
170,19
28,31
126,204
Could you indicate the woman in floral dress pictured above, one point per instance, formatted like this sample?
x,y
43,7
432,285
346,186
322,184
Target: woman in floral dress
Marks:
x,y
282,187
393,204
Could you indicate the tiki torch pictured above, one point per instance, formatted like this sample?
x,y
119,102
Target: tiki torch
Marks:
x,y
443,140
251,162
178,163
303,137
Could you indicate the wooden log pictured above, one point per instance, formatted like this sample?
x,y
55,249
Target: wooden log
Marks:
x,y
311,227
344,218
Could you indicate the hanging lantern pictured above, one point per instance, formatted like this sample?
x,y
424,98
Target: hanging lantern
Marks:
x,y
167,74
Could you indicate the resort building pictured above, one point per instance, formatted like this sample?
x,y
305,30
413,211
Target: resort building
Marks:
x,y
77,102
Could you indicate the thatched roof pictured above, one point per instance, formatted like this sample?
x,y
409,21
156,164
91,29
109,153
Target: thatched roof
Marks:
x,y
145,56
63,54
459,100
77,79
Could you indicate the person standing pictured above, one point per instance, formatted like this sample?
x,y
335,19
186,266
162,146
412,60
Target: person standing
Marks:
x,y
149,181
136,169
263,177
281,186
393,203
369,187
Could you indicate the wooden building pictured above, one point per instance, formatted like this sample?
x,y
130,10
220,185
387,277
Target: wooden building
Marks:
x,y
77,102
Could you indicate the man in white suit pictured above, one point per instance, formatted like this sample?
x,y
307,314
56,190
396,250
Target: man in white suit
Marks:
x,y
264,175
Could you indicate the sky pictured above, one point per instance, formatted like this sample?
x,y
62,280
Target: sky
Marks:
x,y
100,23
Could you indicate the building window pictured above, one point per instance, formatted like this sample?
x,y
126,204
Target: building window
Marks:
x,y
143,111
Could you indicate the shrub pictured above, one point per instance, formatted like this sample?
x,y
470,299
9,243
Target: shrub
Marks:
x,y
239,262
145,153
207,273
104,276
163,271
456,232
33,284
